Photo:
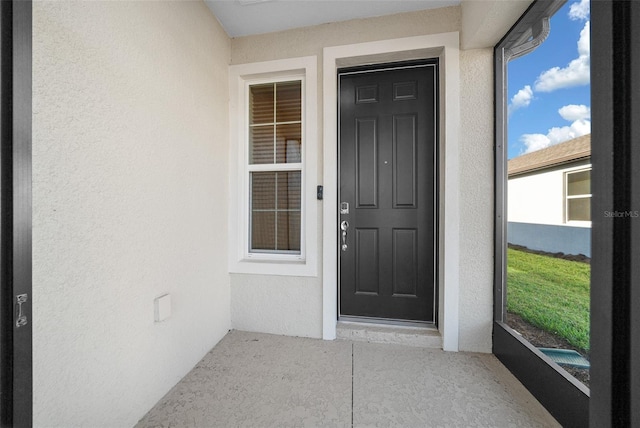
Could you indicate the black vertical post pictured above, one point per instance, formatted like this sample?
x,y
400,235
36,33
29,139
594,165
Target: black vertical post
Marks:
x,y
634,138
615,274
16,377
6,190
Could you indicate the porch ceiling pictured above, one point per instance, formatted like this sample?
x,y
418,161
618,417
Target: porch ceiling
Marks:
x,y
250,17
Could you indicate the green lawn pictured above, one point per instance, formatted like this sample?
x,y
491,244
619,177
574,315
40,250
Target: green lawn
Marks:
x,y
551,294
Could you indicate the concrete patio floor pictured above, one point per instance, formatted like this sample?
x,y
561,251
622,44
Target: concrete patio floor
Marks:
x,y
262,380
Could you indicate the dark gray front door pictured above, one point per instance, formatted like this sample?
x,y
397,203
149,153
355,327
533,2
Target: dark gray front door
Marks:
x,y
387,192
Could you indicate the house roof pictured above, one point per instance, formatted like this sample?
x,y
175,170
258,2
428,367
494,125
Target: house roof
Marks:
x,y
569,151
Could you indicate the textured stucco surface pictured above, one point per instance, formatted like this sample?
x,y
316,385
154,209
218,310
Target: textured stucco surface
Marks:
x,y
258,300
311,40
130,182
277,304
485,22
476,200
476,171
129,202
261,380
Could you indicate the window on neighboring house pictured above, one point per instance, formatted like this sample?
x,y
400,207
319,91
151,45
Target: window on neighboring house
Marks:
x,y
578,195
275,167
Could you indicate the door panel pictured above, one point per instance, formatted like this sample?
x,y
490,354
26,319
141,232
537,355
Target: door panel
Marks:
x,y
366,163
367,261
404,161
387,178
405,262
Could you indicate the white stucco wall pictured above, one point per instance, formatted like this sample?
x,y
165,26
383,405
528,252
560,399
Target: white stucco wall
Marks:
x,y
130,104
483,21
301,297
538,197
278,304
476,201
311,40
130,191
258,302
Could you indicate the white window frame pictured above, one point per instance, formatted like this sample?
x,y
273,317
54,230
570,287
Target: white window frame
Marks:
x,y
241,259
567,198
275,167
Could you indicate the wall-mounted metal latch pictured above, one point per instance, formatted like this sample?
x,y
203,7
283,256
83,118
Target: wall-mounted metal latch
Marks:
x,y
21,319
344,207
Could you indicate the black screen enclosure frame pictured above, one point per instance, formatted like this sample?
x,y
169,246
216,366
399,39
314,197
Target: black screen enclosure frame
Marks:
x,y
614,398
564,397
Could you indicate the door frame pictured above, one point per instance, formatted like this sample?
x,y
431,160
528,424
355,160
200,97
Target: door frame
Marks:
x,y
445,47
16,370
386,67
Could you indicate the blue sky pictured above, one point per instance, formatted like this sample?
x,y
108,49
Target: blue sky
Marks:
x,y
549,99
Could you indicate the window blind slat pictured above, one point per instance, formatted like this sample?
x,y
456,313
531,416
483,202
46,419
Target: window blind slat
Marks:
x,y
276,210
261,99
289,101
261,144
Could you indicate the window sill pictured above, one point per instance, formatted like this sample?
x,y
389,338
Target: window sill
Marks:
x,y
573,223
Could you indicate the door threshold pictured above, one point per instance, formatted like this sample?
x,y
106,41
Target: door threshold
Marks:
x,y
422,335
387,322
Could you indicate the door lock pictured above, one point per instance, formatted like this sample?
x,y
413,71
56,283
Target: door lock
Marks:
x,y
344,226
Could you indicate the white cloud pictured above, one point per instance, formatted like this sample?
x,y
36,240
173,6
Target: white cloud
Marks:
x,y
577,73
584,42
535,142
521,99
555,135
573,112
579,11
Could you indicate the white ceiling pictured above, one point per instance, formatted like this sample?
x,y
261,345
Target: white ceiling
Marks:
x,y
248,17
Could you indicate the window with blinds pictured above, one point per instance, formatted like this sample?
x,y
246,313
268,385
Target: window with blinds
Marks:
x,y
275,167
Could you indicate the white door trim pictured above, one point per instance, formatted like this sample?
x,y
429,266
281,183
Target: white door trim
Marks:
x,y
446,47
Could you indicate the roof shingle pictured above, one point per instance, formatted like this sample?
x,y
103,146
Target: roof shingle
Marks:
x,y
568,151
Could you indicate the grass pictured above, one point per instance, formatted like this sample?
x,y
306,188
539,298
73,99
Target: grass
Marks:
x,y
551,294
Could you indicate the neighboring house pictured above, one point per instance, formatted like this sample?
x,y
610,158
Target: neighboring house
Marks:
x,y
549,198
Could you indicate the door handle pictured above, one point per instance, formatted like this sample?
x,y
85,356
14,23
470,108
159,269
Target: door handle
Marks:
x,y
344,226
